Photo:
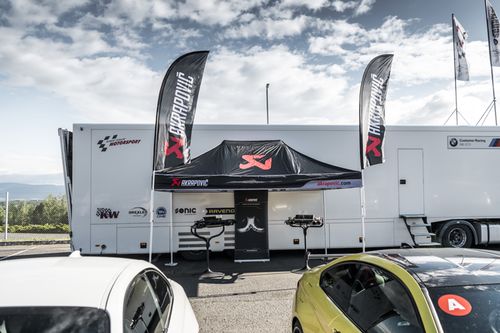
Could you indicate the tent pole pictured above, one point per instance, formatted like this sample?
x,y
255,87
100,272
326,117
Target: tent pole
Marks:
x,y
151,216
171,216
363,210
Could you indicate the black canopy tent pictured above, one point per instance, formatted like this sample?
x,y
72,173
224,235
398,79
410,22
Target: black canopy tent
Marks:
x,y
249,168
254,165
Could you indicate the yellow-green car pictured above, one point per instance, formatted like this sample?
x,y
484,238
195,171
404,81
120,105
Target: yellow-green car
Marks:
x,y
402,291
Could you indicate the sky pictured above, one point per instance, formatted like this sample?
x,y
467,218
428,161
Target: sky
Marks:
x,y
83,61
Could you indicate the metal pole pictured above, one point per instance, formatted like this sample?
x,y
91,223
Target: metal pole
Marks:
x,y
171,216
491,64
151,217
455,66
363,210
6,214
267,102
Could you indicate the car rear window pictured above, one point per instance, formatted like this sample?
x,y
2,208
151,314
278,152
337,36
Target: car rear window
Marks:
x,y
468,308
53,320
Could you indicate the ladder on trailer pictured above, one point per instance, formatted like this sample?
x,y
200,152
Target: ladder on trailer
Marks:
x,y
419,230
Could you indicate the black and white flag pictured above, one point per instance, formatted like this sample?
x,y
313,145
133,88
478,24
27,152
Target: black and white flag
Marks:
x,y
372,110
176,109
459,37
493,33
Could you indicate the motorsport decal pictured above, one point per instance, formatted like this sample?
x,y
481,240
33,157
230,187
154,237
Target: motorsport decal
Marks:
x,y
178,182
114,141
186,211
473,142
333,184
107,213
454,305
255,161
161,212
220,211
138,212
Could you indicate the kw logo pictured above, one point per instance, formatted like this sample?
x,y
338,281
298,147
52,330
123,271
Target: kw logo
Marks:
x,y
176,148
107,213
252,161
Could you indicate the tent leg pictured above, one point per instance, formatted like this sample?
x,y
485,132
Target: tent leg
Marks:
x,y
171,215
324,226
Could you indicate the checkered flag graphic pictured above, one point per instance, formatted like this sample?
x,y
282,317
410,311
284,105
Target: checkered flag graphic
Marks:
x,y
103,143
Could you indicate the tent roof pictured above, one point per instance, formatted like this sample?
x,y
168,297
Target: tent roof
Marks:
x,y
239,165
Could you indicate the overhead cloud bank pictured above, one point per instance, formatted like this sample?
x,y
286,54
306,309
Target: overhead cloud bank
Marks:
x,y
98,58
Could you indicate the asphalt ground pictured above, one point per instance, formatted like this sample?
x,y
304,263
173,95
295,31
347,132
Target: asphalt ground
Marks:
x,y
250,297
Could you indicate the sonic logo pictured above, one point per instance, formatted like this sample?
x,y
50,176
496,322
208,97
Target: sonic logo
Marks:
x,y
252,161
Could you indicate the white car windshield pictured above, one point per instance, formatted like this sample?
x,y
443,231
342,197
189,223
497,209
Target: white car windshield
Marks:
x,y
53,320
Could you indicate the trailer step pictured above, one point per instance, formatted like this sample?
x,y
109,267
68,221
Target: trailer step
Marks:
x,y
421,238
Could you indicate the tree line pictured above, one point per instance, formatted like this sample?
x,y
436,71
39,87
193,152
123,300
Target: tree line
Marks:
x,y
52,210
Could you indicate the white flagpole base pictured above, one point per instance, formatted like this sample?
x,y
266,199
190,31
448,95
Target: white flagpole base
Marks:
x,y
171,264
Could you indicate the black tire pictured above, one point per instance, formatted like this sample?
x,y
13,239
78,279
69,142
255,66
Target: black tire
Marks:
x,y
457,235
297,328
194,255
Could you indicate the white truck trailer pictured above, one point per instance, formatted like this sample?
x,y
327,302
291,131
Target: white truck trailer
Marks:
x,y
437,183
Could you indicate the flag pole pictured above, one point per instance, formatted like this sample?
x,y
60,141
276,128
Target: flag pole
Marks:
x,y
455,66
151,216
491,64
363,210
171,216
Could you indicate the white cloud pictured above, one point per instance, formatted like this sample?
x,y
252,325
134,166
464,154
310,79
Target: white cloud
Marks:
x,y
310,4
269,28
364,7
233,90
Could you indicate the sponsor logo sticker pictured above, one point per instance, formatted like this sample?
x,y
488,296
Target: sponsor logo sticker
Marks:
x,y
138,212
114,141
107,213
186,211
454,305
161,212
220,211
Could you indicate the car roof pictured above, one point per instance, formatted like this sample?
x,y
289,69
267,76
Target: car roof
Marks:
x,y
435,267
62,281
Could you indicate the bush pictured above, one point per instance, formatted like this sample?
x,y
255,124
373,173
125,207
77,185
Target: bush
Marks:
x,y
38,228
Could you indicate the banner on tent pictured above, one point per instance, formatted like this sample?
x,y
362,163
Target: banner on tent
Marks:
x,y
251,228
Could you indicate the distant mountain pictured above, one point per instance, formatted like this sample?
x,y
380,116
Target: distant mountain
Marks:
x,y
19,191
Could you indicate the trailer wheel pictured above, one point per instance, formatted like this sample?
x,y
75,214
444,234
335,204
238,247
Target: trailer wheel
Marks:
x,y
193,255
457,235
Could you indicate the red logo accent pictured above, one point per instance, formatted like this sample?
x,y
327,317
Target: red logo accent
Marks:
x,y
454,305
176,149
252,162
373,146
176,182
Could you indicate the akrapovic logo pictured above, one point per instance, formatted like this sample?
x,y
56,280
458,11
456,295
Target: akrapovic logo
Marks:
x,y
178,182
138,212
113,141
107,213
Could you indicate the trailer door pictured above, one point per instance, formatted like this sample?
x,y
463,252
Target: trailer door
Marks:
x,y
66,138
411,181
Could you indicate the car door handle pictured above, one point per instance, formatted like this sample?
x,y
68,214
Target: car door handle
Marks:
x,y
336,330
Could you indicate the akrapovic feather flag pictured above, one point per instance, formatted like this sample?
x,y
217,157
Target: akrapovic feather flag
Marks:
x,y
176,110
459,38
372,110
493,34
